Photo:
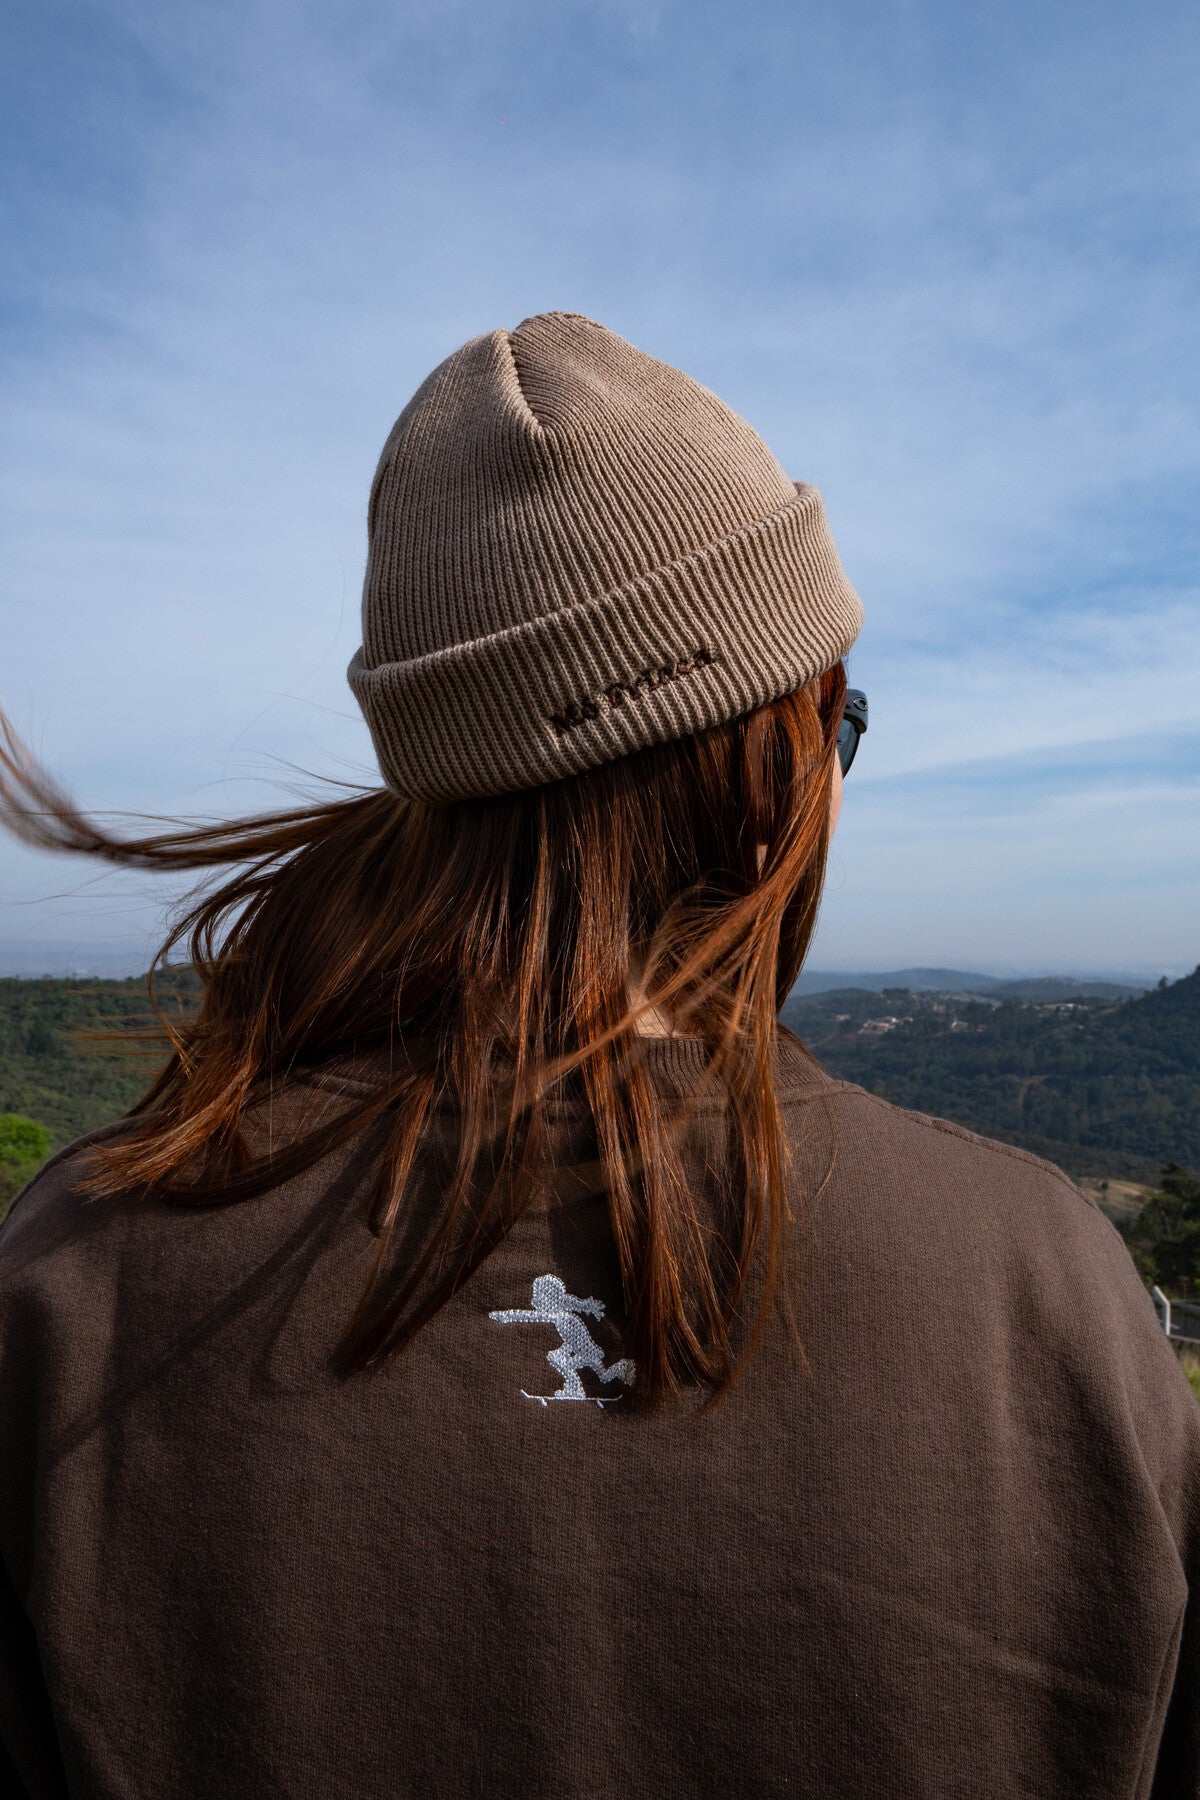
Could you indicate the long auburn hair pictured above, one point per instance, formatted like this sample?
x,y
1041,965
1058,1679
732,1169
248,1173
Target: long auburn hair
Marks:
x,y
502,951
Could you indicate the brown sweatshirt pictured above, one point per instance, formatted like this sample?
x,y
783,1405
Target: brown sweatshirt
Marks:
x,y
960,1557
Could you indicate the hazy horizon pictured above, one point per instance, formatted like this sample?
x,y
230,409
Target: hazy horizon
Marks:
x,y
67,957
941,260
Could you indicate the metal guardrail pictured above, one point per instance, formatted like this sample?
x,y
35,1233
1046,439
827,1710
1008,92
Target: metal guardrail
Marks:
x,y
1180,1319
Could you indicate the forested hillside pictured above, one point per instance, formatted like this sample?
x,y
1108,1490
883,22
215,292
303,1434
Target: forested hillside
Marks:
x,y
1100,1088
49,1072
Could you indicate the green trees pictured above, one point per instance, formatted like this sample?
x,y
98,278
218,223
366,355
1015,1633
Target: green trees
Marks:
x,y
1164,1239
24,1147
1099,1087
52,1070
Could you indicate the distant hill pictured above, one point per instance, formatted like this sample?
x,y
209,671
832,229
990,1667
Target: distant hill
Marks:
x,y
1061,987
62,959
1103,1088
961,981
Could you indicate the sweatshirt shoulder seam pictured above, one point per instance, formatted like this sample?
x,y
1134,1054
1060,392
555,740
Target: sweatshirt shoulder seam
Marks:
x,y
996,1145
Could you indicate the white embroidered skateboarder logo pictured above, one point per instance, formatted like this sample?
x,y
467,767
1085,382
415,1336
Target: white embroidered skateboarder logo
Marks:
x,y
552,1305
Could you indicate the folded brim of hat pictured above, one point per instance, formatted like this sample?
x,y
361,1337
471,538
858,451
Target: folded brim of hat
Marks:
x,y
695,642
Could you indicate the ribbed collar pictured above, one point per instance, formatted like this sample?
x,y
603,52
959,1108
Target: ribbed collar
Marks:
x,y
677,1066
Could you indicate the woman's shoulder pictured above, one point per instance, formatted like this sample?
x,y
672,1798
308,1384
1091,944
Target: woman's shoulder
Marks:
x,y
877,1131
931,1140
902,1188
53,1191
973,1221
55,1239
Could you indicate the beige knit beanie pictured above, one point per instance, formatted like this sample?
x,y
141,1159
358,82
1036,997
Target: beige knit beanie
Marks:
x,y
576,551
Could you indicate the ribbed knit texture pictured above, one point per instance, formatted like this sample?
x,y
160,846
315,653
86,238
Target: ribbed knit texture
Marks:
x,y
576,551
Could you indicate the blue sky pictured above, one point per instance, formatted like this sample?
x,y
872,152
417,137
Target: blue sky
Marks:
x,y
943,256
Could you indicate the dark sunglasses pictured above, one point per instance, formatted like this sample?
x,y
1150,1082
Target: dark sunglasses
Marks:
x,y
854,723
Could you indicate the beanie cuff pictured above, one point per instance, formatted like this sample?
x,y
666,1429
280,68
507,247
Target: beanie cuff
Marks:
x,y
696,642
